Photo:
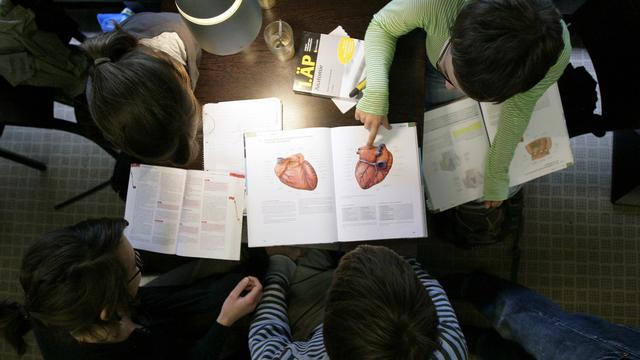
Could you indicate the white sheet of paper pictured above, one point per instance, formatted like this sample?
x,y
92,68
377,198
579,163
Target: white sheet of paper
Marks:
x,y
224,125
344,105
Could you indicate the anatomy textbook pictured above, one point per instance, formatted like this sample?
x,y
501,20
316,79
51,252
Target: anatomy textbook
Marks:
x,y
457,137
320,185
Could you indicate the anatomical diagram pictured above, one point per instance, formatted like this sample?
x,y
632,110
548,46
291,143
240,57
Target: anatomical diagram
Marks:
x,y
449,161
373,165
473,178
539,148
296,172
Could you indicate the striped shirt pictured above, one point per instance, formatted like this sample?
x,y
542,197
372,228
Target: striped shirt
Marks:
x,y
270,335
436,17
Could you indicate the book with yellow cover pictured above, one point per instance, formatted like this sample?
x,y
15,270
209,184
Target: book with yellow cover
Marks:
x,y
329,65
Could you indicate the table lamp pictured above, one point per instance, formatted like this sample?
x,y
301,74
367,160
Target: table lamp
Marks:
x,y
222,27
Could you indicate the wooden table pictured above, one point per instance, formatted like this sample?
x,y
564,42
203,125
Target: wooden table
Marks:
x,y
257,73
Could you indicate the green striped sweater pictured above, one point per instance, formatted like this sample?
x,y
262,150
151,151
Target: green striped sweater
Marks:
x,y
436,18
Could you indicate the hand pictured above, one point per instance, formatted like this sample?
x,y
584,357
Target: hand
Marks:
x,y
291,252
371,122
488,204
237,306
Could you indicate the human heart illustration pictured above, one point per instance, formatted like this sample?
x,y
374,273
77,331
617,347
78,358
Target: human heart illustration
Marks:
x,y
373,166
296,172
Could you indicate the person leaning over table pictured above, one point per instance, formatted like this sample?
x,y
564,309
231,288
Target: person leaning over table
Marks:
x,y
378,306
140,88
502,51
83,301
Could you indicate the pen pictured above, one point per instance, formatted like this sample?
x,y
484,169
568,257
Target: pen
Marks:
x,y
361,85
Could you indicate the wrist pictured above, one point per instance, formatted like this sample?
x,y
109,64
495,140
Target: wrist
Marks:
x,y
224,320
374,102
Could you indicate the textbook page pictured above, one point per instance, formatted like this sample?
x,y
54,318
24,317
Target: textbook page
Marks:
x,y
454,150
211,221
378,190
545,145
290,198
223,127
153,207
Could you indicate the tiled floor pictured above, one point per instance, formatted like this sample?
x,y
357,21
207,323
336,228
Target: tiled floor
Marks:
x,y
578,248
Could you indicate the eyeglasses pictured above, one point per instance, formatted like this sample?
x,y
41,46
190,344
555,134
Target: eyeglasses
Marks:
x,y
444,75
139,265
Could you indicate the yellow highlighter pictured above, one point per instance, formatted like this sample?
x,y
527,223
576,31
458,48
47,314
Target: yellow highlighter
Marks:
x,y
361,85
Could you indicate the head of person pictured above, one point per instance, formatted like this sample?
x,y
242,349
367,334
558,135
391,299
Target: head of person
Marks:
x,y
378,309
141,99
499,48
77,281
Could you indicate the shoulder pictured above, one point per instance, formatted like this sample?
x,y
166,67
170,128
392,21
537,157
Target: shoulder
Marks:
x,y
526,101
150,24
432,14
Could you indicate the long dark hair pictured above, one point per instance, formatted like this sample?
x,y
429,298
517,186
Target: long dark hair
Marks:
x,y
378,309
142,100
68,277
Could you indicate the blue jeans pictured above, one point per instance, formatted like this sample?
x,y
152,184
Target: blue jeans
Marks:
x,y
436,92
544,329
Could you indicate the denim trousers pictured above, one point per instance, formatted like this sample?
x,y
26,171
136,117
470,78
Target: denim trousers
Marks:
x,y
548,332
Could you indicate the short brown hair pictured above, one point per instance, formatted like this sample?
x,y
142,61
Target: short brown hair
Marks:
x,y
501,48
378,309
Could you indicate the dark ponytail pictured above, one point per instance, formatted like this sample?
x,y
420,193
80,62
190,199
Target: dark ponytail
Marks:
x,y
142,99
112,45
15,322
68,277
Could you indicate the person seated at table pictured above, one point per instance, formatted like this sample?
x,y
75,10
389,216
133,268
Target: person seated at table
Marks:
x,y
140,88
540,327
83,301
501,51
378,305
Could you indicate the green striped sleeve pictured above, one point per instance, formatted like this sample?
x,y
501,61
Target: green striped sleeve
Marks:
x,y
514,120
398,18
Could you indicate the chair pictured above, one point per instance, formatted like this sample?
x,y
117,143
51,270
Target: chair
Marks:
x,y
31,106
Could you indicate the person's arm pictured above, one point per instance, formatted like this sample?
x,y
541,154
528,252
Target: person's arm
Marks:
x,y
269,334
397,18
451,339
514,119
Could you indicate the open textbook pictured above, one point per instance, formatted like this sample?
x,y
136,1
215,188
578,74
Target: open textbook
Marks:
x,y
457,137
319,185
223,127
185,212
